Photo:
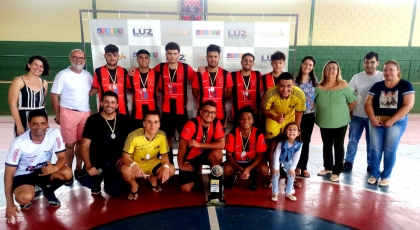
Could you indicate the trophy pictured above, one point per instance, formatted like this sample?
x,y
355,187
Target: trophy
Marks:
x,y
217,195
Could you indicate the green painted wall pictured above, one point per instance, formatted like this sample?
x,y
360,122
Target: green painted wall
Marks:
x,y
14,55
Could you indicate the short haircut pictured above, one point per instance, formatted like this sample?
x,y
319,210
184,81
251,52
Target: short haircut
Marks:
x,y
111,48
206,103
286,76
172,46
37,113
248,54
245,109
109,93
44,61
276,56
151,113
370,55
71,52
143,51
213,48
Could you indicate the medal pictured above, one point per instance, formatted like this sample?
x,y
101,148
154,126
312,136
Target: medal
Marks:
x,y
144,90
113,135
147,156
246,93
114,86
243,154
212,89
112,128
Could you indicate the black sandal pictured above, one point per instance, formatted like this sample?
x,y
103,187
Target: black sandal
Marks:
x,y
133,194
158,189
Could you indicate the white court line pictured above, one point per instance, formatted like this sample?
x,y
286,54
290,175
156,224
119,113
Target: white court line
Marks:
x,y
211,210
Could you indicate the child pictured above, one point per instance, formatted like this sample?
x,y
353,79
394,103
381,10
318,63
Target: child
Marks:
x,y
287,152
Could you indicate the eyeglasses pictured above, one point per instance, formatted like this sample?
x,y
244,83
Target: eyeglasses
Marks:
x,y
294,130
208,112
333,69
78,58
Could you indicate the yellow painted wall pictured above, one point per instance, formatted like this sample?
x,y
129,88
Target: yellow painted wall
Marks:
x,y
337,22
362,23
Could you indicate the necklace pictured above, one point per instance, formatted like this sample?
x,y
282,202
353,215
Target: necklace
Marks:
x,y
212,81
243,154
247,86
145,82
148,147
204,139
112,129
171,78
114,80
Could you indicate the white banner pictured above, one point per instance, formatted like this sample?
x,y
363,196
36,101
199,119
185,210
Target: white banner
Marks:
x,y
235,38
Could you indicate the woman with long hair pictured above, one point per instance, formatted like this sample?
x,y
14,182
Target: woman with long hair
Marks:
x,y
307,82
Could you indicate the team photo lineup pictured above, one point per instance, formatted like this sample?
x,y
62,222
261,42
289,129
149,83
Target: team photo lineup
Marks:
x,y
132,136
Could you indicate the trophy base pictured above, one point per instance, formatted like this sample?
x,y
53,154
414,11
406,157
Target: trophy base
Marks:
x,y
216,202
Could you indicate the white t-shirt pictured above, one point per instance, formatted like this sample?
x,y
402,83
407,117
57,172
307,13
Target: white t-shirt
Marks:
x,y
73,89
362,83
28,156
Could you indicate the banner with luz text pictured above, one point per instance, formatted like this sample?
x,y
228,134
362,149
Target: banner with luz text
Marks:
x,y
235,38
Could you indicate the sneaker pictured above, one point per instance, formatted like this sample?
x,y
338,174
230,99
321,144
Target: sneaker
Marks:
x,y
291,197
95,191
368,169
253,185
69,182
52,200
372,180
293,191
384,182
324,172
26,206
335,178
274,197
347,167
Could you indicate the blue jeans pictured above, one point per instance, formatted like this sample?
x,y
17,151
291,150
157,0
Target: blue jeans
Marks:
x,y
289,183
385,140
357,125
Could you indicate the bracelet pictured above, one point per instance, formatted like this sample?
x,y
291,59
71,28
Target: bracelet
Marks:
x,y
132,163
166,166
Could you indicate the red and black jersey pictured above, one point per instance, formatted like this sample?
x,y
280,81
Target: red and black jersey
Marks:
x,y
243,96
194,130
103,82
144,96
175,90
268,81
219,84
256,145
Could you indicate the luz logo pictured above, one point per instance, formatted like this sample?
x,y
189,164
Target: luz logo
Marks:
x,y
237,34
141,32
265,58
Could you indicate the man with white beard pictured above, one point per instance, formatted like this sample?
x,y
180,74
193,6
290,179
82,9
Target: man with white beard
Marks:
x,y
72,85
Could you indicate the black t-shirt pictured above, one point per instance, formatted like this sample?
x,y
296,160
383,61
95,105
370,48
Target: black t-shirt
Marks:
x,y
105,151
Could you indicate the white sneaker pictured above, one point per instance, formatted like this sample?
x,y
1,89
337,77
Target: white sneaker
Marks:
x,y
291,197
384,182
324,172
371,180
274,197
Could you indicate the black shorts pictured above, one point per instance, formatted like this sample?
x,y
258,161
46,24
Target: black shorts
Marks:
x,y
186,177
32,178
172,121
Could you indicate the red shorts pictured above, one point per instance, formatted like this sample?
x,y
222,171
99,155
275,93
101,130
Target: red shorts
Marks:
x,y
72,124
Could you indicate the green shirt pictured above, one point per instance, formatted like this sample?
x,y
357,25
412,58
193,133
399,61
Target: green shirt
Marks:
x,y
332,109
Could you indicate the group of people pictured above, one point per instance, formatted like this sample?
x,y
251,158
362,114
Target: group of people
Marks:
x,y
274,115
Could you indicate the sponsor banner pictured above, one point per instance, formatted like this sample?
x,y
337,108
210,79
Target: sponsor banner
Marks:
x,y
185,55
104,32
263,61
144,32
99,60
206,33
155,55
272,34
238,34
232,57
176,31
